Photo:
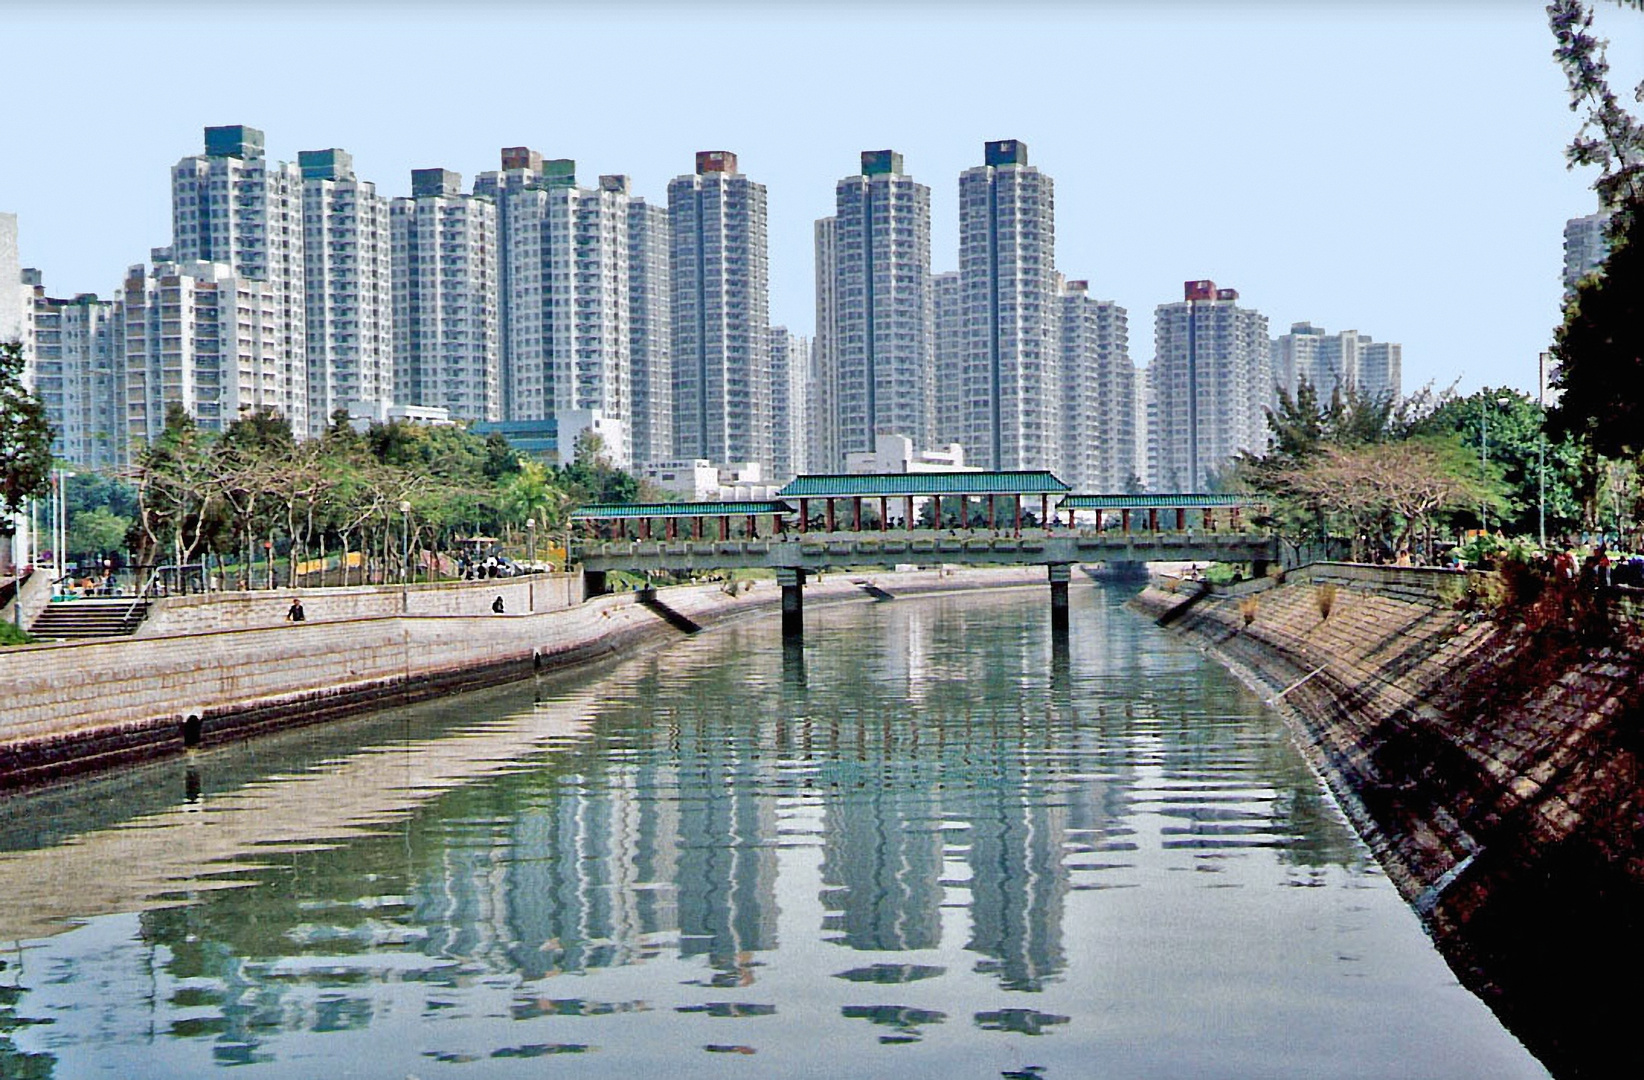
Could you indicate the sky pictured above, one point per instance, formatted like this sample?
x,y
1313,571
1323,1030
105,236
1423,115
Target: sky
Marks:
x,y
1391,167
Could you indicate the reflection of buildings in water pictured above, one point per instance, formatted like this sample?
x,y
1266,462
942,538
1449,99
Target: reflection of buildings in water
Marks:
x,y
1017,887
881,848
726,882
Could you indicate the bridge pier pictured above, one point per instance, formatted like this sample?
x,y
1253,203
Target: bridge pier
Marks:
x,y
792,580
1060,573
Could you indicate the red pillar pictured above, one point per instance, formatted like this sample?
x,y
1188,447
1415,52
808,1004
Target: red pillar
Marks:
x,y
1100,515
1044,512
1124,520
993,518
724,528
1070,517
804,513
856,513
830,515
909,521
753,526
696,527
672,528
1152,519
884,513
1233,518
1181,519
1018,500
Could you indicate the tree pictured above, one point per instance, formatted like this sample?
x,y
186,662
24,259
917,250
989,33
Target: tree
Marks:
x,y
1511,428
1600,354
1609,137
97,532
25,438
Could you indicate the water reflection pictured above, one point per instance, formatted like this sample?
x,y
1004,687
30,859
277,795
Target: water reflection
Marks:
x,y
927,811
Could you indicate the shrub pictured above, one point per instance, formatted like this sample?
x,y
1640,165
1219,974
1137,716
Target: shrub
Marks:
x,y
10,635
1325,597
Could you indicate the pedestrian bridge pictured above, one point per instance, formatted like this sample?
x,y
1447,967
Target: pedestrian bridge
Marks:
x,y
833,522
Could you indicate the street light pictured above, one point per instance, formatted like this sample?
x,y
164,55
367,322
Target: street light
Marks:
x,y
531,542
405,555
1484,449
1541,452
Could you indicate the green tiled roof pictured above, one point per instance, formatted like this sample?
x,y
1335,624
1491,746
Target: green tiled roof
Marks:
x,y
896,485
1156,502
614,511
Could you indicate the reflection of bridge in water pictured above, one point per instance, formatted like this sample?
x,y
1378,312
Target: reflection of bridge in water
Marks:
x,y
832,522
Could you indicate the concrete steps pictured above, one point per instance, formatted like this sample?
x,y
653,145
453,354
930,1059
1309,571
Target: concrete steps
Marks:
x,y
90,618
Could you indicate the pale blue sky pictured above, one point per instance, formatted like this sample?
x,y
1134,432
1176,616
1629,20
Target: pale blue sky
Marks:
x,y
1394,168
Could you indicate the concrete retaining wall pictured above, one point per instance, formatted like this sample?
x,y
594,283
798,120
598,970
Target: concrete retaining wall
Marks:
x,y
250,610
1496,768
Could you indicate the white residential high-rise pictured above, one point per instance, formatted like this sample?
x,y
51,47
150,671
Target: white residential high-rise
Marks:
x,y
720,313
1007,281
1381,369
14,295
650,349
1212,381
17,547
822,434
446,349
349,293
522,168
198,335
1331,363
882,334
1097,399
948,357
78,376
1141,465
1586,246
233,207
790,378
567,336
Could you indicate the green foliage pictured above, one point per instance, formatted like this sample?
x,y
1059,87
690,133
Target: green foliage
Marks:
x,y
591,478
97,532
1509,427
10,635
1610,137
1600,353
25,437
1363,468
398,485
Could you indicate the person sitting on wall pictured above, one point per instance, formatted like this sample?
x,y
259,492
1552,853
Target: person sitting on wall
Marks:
x,y
295,612
496,605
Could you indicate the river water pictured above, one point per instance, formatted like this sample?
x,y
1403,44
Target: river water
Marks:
x,y
935,841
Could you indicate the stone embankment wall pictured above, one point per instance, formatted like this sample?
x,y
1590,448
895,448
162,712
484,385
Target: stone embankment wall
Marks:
x,y
1493,765
74,707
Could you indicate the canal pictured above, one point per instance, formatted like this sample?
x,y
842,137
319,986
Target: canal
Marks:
x,y
934,841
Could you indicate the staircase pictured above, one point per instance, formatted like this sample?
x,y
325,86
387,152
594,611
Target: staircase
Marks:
x,y
90,618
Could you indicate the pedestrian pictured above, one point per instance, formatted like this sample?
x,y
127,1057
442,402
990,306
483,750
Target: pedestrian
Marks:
x,y
496,605
295,612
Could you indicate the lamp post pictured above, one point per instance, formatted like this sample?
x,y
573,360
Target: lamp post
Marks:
x,y
405,556
1541,452
531,542
1485,401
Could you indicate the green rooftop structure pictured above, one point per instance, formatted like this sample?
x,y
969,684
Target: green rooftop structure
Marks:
x,y
1154,502
634,511
898,485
